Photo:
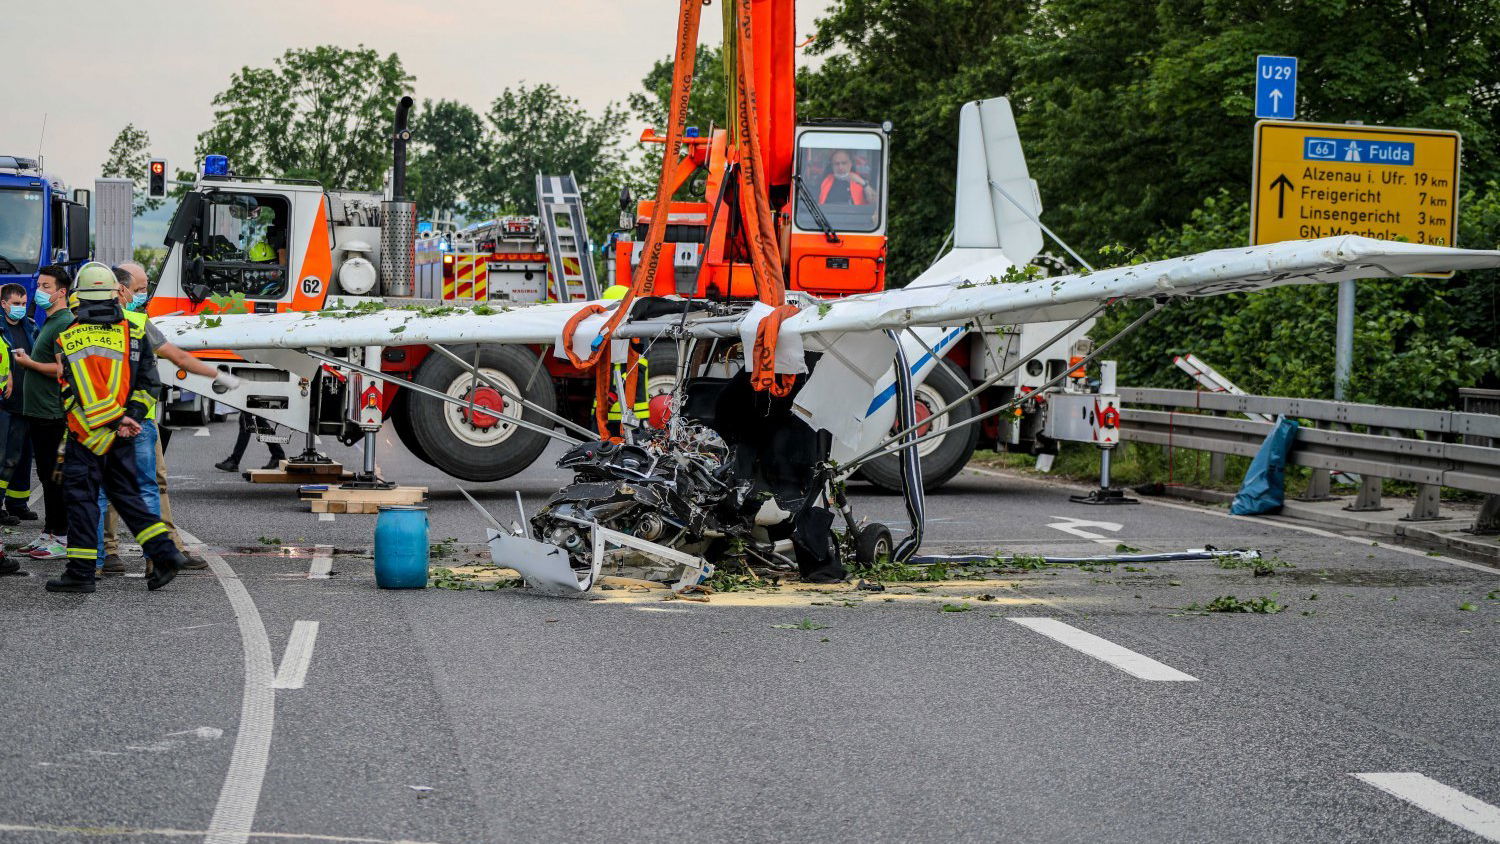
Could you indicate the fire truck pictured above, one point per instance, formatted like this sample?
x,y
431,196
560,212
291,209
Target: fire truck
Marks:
x,y
271,245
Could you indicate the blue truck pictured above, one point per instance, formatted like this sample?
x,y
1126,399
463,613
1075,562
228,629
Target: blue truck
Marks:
x,y
41,222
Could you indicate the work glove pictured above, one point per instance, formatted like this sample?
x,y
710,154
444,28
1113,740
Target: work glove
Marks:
x,y
224,382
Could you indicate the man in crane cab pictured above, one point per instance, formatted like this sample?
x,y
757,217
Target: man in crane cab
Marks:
x,y
843,186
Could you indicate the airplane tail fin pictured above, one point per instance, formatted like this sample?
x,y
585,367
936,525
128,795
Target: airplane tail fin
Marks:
x,y
990,166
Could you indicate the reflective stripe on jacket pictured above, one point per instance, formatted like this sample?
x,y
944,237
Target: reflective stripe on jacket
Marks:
x,y
147,398
98,361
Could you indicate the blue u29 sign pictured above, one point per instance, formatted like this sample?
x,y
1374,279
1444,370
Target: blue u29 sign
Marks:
x,y
1275,87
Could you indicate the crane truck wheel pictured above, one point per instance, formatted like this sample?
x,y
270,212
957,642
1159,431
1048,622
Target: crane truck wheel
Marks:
x,y
943,456
401,422
475,445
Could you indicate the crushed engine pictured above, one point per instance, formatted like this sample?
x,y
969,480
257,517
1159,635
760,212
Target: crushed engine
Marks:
x,y
679,492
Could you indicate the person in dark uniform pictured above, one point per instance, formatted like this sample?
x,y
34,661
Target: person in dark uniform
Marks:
x,y
107,367
18,331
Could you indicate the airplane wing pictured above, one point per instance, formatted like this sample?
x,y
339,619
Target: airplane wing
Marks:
x,y
980,293
976,293
531,324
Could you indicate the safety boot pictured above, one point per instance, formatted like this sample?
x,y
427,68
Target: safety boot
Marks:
x,y
160,572
22,512
68,582
8,518
8,565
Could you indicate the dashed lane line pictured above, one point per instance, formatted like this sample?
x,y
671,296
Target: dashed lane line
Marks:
x,y
325,517
322,562
201,432
1104,650
234,814
299,649
1446,802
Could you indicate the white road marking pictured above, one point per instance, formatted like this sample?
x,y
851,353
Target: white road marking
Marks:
x,y
1450,804
1206,511
322,562
299,650
325,517
234,814
201,432
92,830
193,627
200,732
1119,656
1076,527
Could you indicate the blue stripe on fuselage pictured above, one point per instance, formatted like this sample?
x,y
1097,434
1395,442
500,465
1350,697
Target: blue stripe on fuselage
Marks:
x,y
890,392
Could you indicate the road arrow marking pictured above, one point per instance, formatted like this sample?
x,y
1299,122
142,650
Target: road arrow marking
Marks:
x,y
1075,527
1281,185
293,671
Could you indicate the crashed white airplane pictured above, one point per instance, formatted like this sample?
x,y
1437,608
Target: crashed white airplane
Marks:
x,y
741,472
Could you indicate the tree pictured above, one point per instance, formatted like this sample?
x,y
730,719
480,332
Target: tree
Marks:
x,y
536,129
450,151
1137,119
915,63
324,113
128,159
706,107
1134,112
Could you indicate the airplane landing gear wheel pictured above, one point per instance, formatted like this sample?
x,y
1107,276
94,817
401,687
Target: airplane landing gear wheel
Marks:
x,y
872,544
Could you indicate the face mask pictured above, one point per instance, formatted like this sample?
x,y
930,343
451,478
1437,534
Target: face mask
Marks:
x,y
138,302
43,299
16,312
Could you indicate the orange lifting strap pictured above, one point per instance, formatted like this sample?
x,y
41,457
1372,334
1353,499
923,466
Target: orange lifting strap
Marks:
x,y
689,13
754,207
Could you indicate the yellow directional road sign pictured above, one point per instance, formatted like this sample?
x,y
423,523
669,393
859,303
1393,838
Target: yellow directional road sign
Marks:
x,y
1319,180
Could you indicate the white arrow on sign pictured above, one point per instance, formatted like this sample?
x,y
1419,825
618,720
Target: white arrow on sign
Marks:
x,y
1076,527
1275,96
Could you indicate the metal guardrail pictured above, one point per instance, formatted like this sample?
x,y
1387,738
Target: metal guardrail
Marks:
x,y
1402,443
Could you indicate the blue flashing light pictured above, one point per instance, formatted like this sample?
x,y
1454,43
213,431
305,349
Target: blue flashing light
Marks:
x,y
216,165
691,131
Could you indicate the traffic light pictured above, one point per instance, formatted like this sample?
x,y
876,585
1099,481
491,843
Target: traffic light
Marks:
x,y
156,181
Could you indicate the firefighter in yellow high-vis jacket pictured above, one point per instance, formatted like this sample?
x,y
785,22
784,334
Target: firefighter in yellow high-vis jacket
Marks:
x,y
107,371
641,406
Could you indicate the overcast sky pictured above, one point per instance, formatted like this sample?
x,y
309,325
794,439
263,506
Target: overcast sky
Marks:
x,y
92,66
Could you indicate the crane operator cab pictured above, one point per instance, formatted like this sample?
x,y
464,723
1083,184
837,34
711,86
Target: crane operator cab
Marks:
x,y
240,248
838,226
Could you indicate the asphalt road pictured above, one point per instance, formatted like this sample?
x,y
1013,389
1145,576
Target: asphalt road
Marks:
x,y
464,716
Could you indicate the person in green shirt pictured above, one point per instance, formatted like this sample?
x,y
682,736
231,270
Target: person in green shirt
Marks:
x,y
41,404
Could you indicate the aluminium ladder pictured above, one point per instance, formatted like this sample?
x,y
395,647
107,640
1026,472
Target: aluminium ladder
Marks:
x,y
564,228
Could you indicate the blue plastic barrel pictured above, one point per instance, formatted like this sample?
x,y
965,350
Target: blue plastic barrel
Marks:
x,y
401,547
